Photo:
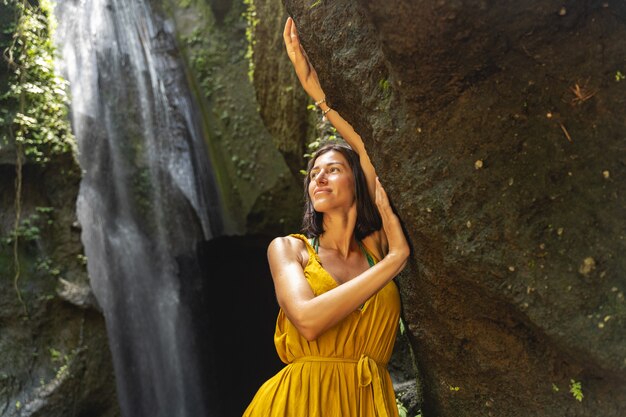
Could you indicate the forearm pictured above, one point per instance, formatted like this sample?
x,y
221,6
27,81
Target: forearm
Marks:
x,y
353,139
344,128
320,313
310,82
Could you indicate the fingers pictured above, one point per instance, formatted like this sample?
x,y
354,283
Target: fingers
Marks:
x,y
287,32
384,207
294,31
304,70
382,201
287,39
292,43
394,234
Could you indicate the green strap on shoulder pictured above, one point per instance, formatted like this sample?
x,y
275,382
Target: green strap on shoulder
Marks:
x,y
370,261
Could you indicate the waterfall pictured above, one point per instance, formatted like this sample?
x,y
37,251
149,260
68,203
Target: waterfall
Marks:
x,y
147,197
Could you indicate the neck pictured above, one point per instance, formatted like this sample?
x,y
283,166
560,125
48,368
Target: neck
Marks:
x,y
339,232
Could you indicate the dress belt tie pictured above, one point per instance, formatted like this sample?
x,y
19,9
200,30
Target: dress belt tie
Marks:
x,y
367,374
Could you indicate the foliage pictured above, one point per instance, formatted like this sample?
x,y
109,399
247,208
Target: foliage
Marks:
x,y
64,361
326,133
29,228
252,19
46,265
203,62
403,411
33,111
39,126
576,389
55,355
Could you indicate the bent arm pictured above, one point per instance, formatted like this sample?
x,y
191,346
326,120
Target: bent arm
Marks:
x,y
313,315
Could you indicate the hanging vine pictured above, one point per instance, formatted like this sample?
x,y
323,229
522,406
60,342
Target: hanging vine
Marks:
x,y
39,128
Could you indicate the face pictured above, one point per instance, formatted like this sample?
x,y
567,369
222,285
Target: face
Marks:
x,y
331,182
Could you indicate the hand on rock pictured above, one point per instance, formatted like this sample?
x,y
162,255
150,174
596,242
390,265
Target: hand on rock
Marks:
x,y
304,70
396,240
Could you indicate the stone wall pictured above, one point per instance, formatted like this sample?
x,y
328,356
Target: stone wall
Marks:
x,y
54,357
497,130
261,190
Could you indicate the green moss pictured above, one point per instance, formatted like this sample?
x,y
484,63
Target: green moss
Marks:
x,y
205,61
143,191
385,87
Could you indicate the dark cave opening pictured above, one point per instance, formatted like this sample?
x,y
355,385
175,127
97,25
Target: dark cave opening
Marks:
x,y
236,318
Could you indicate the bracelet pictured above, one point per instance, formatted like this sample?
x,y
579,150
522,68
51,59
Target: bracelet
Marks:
x,y
317,103
326,111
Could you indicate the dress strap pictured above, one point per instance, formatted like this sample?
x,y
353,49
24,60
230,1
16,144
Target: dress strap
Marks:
x,y
315,242
370,260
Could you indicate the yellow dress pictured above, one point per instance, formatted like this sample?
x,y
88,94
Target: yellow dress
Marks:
x,y
343,373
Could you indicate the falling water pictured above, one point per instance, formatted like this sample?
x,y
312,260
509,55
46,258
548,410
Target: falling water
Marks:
x,y
147,197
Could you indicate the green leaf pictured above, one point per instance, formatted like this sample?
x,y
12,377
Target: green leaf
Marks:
x,y
575,388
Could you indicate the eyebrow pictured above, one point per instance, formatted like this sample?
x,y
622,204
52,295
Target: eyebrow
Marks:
x,y
328,164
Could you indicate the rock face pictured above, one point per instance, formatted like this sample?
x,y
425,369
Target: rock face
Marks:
x,y
259,189
54,357
282,103
497,128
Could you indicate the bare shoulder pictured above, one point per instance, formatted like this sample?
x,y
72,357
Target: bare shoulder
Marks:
x,y
287,248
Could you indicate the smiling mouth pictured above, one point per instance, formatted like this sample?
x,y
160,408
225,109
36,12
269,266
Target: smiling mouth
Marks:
x,y
320,191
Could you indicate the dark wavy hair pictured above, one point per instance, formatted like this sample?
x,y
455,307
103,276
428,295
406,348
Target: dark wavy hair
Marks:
x,y
367,219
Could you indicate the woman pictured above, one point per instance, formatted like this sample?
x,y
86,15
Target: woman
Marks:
x,y
339,307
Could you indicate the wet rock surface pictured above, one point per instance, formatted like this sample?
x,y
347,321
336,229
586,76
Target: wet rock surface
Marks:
x,y
54,356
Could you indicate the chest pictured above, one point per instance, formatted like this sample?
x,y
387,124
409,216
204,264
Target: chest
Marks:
x,y
343,270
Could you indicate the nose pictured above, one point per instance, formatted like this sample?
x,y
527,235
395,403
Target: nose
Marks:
x,y
320,177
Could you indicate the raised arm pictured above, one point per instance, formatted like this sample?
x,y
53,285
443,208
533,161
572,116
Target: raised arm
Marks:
x,y
310,82
312,315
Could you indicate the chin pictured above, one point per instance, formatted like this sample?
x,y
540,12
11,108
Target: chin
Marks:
x,y
320,208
